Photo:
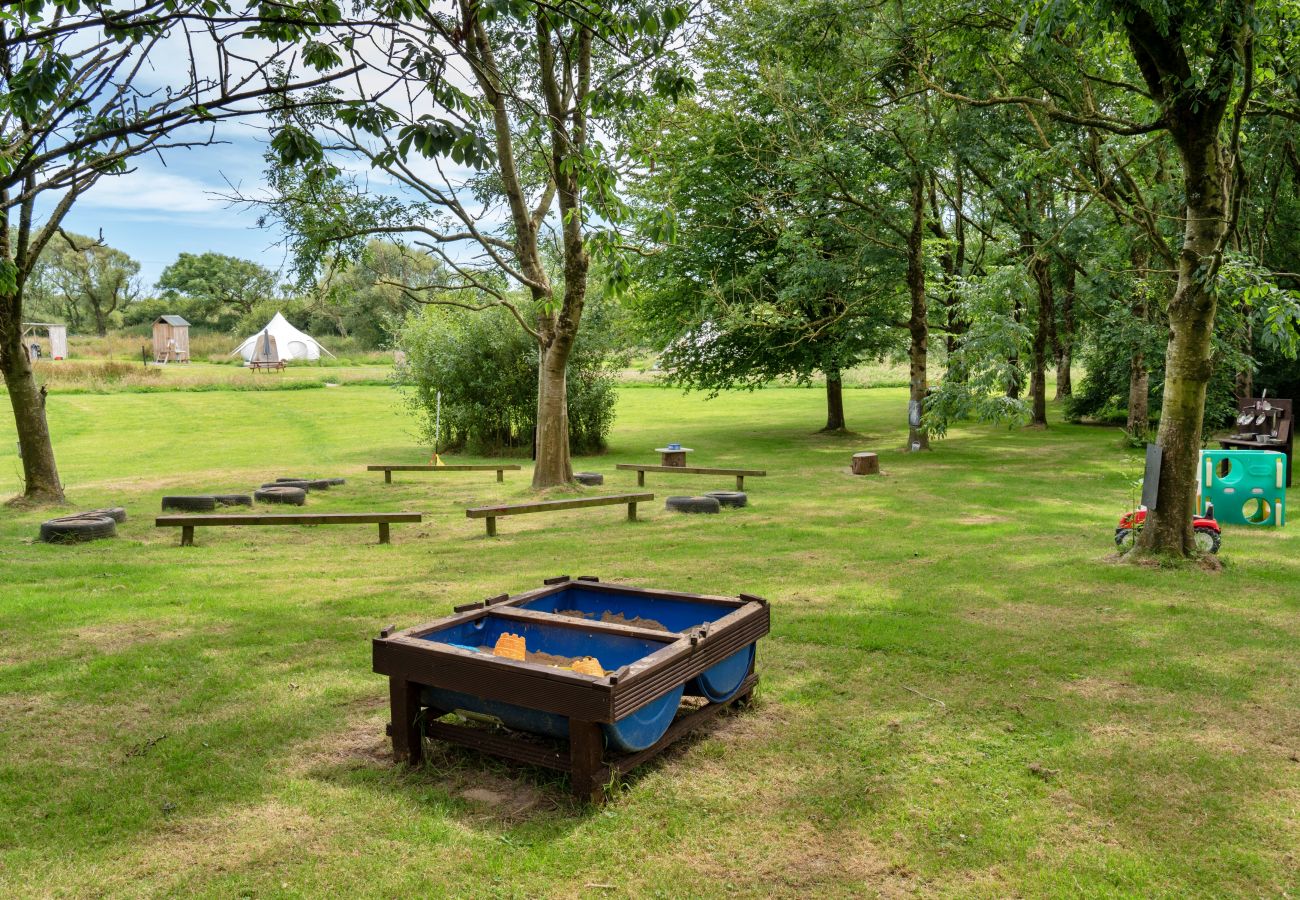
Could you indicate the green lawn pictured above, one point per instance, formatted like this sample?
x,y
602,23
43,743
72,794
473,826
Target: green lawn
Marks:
x,y
961,694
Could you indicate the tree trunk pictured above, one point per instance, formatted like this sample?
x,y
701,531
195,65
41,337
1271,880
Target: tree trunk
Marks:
x,y
1139,392
917,325
1041,271
101,320
1187,360
1065,339
554,467
1014,380
40,474
834,401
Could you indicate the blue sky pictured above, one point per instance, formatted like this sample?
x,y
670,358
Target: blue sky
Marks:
x,y
172,206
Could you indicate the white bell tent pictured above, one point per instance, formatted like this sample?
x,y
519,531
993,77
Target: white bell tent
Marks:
x,y
280,341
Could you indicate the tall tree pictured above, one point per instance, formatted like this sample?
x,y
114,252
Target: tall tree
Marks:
x,y
1195,66
79,100
92,275
217,284
512,106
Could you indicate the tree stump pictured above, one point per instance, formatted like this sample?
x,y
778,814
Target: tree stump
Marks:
x,y
866,464
675,457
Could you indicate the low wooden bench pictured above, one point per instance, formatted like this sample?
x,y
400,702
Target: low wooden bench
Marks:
x,y
491,513
690,470
187,524
389,470
265,364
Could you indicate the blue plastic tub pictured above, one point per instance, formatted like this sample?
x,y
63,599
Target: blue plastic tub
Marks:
x,y
716,684
634,732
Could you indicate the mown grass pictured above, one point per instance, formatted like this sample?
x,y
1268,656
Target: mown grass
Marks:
x,y
961,695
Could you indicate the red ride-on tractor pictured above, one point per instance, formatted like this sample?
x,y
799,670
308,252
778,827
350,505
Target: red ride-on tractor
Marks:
x,y
1207,532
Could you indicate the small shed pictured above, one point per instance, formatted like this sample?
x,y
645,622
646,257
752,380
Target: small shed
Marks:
x,y
171,339
55,335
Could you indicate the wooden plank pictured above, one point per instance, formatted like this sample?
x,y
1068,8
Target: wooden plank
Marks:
x,y
518,509
525,684
288,519
510,748
688,470
556,620
456,468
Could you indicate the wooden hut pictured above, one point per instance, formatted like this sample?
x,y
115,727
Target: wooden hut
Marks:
x,y
171,339
56,335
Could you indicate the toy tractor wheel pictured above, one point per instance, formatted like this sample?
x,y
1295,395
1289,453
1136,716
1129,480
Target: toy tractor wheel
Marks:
x,y
1207,540
1124,539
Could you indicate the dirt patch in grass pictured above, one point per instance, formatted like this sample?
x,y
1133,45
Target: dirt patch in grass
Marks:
x,y
114,637
804,861
982,519
185,851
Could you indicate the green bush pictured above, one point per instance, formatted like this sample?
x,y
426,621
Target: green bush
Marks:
x,y
485,365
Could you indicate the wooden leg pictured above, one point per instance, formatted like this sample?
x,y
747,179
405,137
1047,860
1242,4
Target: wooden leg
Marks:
x,y
492,526
631,512
740,482
501,474
187,535
388,476
404,701
640,478
383,532
586,756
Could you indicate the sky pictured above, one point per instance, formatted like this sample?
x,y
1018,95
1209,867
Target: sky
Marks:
x,y
175,205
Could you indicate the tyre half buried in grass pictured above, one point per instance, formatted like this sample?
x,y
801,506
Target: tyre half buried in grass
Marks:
x,y
293,496
77,529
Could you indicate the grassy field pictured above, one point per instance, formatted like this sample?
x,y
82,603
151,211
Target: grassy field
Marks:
x,y
961,694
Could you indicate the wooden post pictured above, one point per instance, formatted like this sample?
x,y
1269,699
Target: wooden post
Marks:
x,y
187,535
388,476
640,478
586,753
383,532
740,482
631,512
491,526
501,474
404,702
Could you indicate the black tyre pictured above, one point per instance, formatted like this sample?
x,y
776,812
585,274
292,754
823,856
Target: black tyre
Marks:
x,y
303,485
76,529
1124,539
588,478
735,499
337,481
318,484
693,504
281,494
233,499
1207,540
198,503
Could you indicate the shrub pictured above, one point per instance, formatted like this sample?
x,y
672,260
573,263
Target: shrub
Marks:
x,y
486,368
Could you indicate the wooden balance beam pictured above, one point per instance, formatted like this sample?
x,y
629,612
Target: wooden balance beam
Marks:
x,y
690,470
491,513
187,524
389,470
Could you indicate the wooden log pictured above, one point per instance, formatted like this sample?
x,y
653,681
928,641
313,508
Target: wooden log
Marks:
x,y
866,464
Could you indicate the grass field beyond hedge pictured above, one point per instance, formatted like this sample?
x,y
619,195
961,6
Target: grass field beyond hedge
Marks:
x,y
960,696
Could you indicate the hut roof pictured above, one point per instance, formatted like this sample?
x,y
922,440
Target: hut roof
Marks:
x,y
171,320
